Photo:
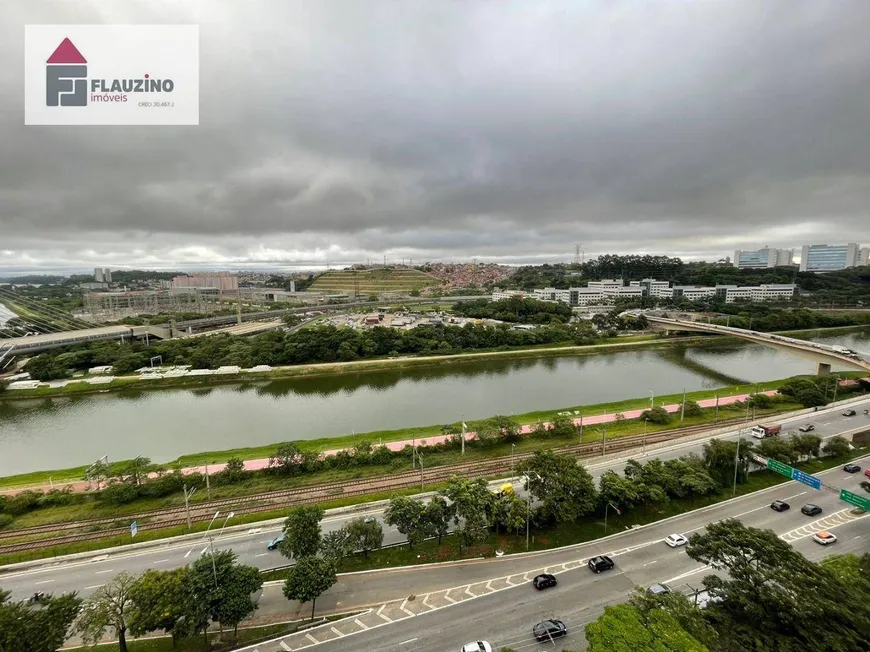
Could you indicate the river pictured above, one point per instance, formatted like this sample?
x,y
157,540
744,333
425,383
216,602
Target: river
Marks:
x,y
51,433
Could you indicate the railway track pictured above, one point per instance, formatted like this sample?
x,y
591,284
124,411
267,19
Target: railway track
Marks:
x,y
95,529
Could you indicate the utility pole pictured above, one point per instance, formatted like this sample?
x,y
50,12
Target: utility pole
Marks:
x,y
683,406
420,457
207,484
462,436
717,408
187,496
736,461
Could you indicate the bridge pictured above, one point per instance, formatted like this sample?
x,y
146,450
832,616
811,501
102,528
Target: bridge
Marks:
x,y
824,355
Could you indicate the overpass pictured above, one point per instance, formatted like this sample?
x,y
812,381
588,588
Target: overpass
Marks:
x,y
46,341
823,354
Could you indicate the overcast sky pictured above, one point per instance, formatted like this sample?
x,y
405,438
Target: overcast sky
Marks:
x,y
452,129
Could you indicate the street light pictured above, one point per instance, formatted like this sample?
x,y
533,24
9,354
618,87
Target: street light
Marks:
x,y
211,544
513,447
606,507
643,452
528,503
736,461
652,398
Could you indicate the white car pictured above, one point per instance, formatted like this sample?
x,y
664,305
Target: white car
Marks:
x,y
824,538
477,646
676,540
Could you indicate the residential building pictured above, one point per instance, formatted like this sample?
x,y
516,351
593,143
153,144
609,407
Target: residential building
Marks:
x,y
864,256
224,282
763,258
829,258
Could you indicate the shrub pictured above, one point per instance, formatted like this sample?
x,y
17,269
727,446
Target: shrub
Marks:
x,y
657,415
119,493
163,486
22,503
61,498
692,409
5,520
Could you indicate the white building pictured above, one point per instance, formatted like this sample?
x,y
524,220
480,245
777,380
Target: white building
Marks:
x,y
773,292
864,256
552,294
498,294
829,258
693,292
763,258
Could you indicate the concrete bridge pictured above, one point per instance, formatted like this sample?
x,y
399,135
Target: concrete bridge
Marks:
x,y
822,354
46,341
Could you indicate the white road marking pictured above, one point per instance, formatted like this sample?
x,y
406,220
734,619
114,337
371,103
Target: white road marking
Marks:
x,y
262,554
410,640
284,646
188,553
161,561
337,633
44,582
110,570
360,623
312,639
95,586
650,563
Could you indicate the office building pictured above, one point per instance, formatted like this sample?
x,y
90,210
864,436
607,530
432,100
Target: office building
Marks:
x,y
222,281
763,258
829,258
864,256
498,294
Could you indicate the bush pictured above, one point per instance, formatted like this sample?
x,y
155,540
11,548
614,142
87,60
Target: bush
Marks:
x,y
657,415
5,519
163,486
119,493
61,498
692,409
22,503
232,473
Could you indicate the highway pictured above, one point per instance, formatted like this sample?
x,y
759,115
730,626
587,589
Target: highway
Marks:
x,y
463,602
250,542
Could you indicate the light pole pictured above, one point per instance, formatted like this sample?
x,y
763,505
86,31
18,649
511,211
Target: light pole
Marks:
x,y
603,432
513,446
643,452
187,495
652,398
528,503
211,544
606,507
736,461
420,459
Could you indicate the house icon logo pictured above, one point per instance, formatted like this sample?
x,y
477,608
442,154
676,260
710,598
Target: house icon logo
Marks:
x,y
66,73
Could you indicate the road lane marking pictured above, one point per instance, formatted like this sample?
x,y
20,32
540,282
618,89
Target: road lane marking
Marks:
x,y
650,563
312,639
161,561
262,554
95,586
110,570
410,640
284,647
360,623
337,633
188,553
44,582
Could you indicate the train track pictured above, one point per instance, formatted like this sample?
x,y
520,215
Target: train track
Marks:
x,y
164,518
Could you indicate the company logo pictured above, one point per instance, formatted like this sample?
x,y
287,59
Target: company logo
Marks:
x,y
66,73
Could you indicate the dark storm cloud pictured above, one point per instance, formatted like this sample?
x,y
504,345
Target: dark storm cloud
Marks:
x,y
435,129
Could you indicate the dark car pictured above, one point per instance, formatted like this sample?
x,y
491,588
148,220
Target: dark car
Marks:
x,y
811,510
544,581
547,629
807,428
602,563
851,468
659,589
849,413
779,506
274,542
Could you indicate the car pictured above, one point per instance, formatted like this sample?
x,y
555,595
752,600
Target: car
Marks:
x,y
867,473
849,413
369,519
547,629
808,427
676,540
477,646
851,468
659,589
866,486
779,506
601,563
543,581
275,542
824,538
811,510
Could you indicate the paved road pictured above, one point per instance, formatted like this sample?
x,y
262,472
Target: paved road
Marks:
x,y
498,603
250,544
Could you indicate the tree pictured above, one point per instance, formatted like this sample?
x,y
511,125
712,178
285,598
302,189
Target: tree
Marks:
x,y
778,448
310,578
409,518
161,602
42,629
806,443
287,459
657,415
851,569
471,501
233,471
563,426
336,545
836,446
681,607
135,470
510,511
98,473
302,532
624,628
692,409
222,589
719,456
565,489
437,516
365,534
772,597
499,427
620,491
108,608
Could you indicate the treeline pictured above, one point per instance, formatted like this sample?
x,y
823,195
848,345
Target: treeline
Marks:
x,y
182,603
515,309
769,598
309,345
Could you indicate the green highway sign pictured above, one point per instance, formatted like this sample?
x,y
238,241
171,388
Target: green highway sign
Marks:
x,y
855,499
779,467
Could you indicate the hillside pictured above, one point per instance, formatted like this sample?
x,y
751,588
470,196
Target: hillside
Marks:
x,y
373,281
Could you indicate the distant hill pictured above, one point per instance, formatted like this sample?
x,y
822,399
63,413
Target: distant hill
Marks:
x,y
372,281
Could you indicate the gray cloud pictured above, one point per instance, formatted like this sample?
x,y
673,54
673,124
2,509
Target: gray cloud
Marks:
x,y
451,130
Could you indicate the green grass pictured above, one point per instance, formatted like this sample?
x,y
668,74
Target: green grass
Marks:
x,y
564,534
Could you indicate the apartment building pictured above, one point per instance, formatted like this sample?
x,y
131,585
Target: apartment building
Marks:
x,y
763,258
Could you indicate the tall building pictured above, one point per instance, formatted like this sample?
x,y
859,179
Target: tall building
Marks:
x,y
98,275
829,258
864,256
222,281
107,275
762,258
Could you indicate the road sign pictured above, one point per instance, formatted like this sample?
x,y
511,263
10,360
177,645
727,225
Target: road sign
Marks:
x,y
134,528
779,467
806,478
855,499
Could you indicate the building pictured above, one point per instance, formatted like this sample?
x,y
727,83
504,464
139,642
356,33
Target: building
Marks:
x,y
223,281
660,289
94,286
763,258
498,294
552,294
829,258
102,275
864,256
693,292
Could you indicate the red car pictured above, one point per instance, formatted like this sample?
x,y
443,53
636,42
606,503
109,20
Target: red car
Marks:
x,y
867,473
